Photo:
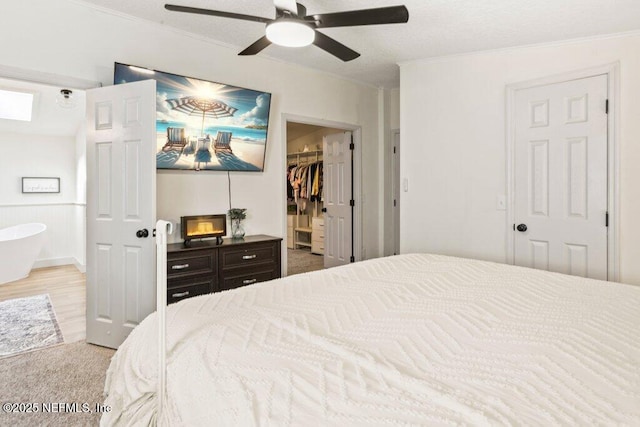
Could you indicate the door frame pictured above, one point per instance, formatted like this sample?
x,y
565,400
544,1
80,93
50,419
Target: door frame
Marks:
x,y
395,188
612,71
357,177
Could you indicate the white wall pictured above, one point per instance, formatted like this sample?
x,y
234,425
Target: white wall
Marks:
x,y
394,108
96,39
29,155
453,144
37,156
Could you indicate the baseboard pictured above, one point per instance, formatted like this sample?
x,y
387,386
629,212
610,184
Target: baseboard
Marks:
x,y
52,262
82,268
56,262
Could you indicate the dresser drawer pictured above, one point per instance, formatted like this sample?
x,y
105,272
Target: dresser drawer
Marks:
x,y
206,266
249,255
179,289
318,228
191,263
317,247
244,278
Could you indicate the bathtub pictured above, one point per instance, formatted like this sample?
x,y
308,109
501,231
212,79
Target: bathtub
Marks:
x,y
20,245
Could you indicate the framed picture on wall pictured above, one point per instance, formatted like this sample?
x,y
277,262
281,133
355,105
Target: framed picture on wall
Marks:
x,y
40,185
204,125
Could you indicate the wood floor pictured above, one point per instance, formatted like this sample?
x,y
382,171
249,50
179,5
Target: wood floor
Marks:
x,y
66,288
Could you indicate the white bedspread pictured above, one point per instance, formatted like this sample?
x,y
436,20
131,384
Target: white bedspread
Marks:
x,y
405,340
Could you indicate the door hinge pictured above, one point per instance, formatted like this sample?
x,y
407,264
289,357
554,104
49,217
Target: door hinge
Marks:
x,y
394,150
352,259
606,107
606,219
394,203
352,146
352,202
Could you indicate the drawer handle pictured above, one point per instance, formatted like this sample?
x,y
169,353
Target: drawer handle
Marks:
x,y
180,294
179,266
249,256
249,281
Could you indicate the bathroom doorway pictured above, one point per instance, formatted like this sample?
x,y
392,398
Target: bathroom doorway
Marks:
x,y
47,142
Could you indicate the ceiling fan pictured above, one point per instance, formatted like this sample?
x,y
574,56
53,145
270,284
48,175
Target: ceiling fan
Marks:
x,y
292,26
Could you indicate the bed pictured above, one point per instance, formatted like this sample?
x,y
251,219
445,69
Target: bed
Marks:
x,y
413,339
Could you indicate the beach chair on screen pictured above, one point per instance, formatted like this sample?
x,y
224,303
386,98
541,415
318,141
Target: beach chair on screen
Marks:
x,y
223,139
176,139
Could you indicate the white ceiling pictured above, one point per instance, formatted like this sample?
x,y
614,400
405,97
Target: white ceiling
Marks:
x,y
48,118
435,28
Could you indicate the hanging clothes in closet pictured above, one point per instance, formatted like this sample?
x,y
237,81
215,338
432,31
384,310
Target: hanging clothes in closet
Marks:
x,y
290,194
305,181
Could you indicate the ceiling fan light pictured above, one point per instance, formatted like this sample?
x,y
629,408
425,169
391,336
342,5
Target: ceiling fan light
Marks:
x,y
290,33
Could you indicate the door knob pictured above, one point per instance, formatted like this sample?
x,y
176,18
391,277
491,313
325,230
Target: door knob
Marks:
x,y
142,233
522,228
323,209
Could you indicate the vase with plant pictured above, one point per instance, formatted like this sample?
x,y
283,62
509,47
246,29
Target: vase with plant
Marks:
x,y
237,215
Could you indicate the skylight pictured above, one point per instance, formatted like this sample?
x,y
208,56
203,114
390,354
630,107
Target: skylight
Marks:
x,y
15,105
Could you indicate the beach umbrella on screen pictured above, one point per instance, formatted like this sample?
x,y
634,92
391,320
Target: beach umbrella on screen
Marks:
x,y
194,106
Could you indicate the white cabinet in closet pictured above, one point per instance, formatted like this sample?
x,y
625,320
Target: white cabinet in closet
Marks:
x,y
300,231
291,224
317,235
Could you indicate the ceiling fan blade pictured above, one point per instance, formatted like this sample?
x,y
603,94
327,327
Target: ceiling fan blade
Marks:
x,y
186,9
256,47
334,47
382,15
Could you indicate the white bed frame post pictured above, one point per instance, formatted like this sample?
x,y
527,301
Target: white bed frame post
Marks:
x,y
163,228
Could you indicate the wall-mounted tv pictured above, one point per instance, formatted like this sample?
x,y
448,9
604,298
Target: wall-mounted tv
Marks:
x,y
204,125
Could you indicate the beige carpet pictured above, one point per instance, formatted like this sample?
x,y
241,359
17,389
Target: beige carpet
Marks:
x,y
302,260
65,374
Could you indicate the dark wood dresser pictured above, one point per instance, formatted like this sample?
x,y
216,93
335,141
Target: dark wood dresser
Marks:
x,y
204,267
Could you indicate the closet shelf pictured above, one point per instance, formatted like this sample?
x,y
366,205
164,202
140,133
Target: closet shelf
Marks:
x,y
305,153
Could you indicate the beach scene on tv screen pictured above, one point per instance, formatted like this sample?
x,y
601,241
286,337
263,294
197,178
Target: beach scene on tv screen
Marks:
x,y
203,125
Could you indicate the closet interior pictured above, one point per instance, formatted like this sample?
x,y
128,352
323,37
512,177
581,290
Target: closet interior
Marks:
x,y
304,176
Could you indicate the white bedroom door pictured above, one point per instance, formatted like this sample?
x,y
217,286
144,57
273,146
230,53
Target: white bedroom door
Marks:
x,y
338,224
121,206
560,190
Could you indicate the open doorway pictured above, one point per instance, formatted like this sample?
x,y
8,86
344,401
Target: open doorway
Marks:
x,y
309,196
43,171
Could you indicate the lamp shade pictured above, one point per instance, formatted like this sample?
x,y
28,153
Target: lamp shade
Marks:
x,y
290,33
